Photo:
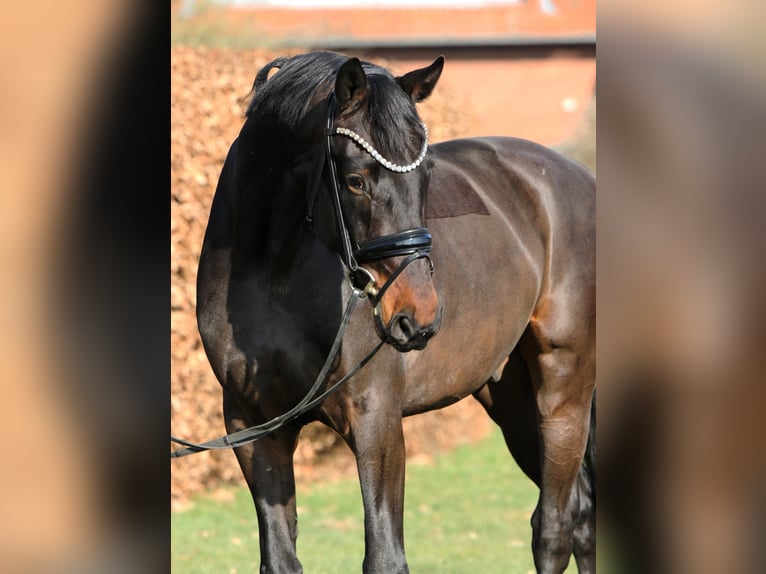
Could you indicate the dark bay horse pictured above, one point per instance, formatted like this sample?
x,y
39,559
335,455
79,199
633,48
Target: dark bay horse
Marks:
x,y
328,193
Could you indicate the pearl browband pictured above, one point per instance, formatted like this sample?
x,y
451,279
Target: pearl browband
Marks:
x,y
379,158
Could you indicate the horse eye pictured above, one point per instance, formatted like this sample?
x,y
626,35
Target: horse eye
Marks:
x,y
355,184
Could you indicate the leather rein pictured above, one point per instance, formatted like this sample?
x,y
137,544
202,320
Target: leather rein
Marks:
x,y
413,244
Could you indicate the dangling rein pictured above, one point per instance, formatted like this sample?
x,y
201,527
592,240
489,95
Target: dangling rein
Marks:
x,y
308,402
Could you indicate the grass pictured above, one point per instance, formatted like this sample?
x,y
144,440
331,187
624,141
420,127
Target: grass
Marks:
x,y
468,512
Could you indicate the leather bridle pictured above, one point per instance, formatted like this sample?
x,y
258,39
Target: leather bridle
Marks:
x,y
412,244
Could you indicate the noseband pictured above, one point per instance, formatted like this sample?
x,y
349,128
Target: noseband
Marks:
x,y
413,244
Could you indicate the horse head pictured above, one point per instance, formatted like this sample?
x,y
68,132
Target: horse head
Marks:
x,y
370,204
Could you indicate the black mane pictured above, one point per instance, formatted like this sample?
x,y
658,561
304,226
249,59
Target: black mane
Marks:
x,y
286,94
281,103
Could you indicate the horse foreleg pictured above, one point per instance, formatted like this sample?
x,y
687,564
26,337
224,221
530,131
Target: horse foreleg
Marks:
x,y
267,465
564,384
377,440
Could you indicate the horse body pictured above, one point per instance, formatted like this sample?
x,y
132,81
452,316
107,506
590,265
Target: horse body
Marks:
x,y
512,299
497,265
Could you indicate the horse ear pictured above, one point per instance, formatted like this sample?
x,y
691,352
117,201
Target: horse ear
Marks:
x,y
419,84
350,85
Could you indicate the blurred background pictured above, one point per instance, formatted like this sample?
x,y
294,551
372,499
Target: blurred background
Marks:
x,y
93,361
681,315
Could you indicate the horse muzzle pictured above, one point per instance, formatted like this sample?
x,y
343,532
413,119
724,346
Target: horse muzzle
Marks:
x,y
405,331
405,334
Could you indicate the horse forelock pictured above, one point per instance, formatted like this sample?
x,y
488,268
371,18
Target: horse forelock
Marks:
x,y
392,120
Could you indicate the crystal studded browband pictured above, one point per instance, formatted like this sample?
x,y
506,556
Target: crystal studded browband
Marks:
x,y
379,158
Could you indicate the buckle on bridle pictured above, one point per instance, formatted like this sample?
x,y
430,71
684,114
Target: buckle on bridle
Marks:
x,y
365,283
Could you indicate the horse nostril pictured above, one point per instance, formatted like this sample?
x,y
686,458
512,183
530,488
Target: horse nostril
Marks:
x,y
408,329
406,335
